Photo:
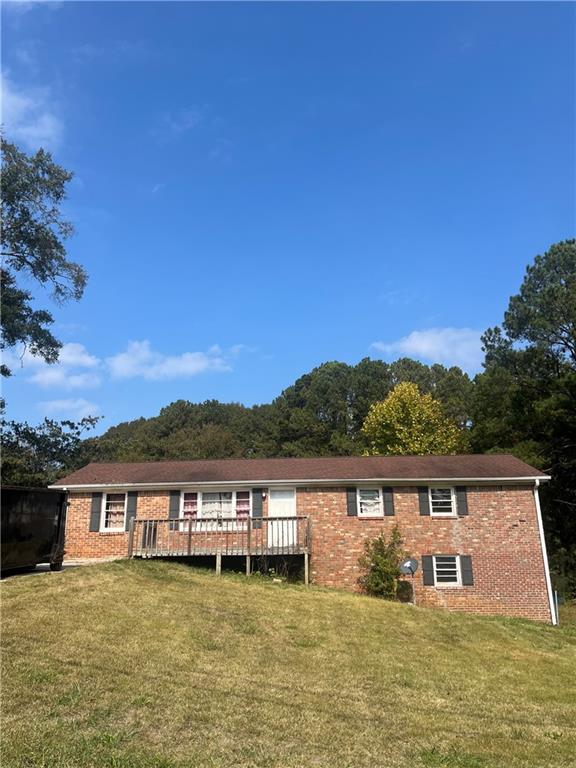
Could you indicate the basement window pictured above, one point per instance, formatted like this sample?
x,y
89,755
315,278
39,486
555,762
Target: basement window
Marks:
x,y
442,502
113,512
447,571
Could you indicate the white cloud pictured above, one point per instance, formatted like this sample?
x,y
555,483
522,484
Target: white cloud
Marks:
x,y
449,346
78,369
64,374
57,376
140,360
15,361
76,355
73,409
71,355
29,117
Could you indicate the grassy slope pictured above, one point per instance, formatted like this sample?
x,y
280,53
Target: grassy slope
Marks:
x,y
150,664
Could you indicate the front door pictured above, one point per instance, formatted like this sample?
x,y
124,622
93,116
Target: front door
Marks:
x,y
282,532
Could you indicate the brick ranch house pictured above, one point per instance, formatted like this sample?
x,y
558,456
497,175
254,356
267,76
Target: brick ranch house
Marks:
x,y
473,522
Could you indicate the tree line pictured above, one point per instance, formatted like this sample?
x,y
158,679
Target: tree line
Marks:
x,y
321,414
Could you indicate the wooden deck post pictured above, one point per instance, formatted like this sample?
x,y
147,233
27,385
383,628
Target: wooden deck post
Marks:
x,y
248,544
131,537
307,552
218,563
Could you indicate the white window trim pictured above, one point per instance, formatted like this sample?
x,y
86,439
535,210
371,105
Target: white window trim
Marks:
x,y
454,512
450,585
183,527
213,518
103,528
217,490
380,501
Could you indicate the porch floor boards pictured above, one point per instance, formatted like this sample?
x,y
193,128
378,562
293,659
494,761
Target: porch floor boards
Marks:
x,y
209,551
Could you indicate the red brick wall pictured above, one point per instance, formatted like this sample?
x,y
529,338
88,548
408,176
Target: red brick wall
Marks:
x,y
81,543
500,533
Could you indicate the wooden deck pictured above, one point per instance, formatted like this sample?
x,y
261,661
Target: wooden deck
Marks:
x,y
249,537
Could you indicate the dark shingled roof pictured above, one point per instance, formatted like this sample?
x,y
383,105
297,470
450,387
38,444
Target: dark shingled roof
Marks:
x,y
347,468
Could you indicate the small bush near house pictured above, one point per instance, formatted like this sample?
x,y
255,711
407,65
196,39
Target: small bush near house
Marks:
x,y
405,592
381,565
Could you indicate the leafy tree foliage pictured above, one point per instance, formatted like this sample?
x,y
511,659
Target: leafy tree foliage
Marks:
x,y
318,414
451,386
380,564
321,414
33,235
408,422
543,313
525,401
37,456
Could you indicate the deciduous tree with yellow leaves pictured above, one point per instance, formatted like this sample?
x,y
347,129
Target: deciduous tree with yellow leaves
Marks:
x,y
409,423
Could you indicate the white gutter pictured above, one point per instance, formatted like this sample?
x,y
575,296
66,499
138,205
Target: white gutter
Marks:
x,y
553,615
309,481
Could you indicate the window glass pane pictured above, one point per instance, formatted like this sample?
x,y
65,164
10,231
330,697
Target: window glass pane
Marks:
x,y
114,511
243,503
217,496
282,495
369,501
446,569
217,504
441,499
190,504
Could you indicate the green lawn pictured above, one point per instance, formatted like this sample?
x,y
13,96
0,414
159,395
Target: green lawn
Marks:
x,y
141,664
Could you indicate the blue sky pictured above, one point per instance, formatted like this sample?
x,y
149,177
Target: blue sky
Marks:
x,y
263,187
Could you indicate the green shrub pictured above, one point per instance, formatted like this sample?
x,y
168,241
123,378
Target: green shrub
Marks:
x,y
381,565
405,592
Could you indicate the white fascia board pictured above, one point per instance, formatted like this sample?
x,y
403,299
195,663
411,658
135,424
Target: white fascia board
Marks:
x,y
337,481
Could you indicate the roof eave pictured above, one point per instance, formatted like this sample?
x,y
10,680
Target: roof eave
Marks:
x,y
301,482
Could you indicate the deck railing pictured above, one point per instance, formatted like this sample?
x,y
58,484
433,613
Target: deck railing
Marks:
x,y
220,536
